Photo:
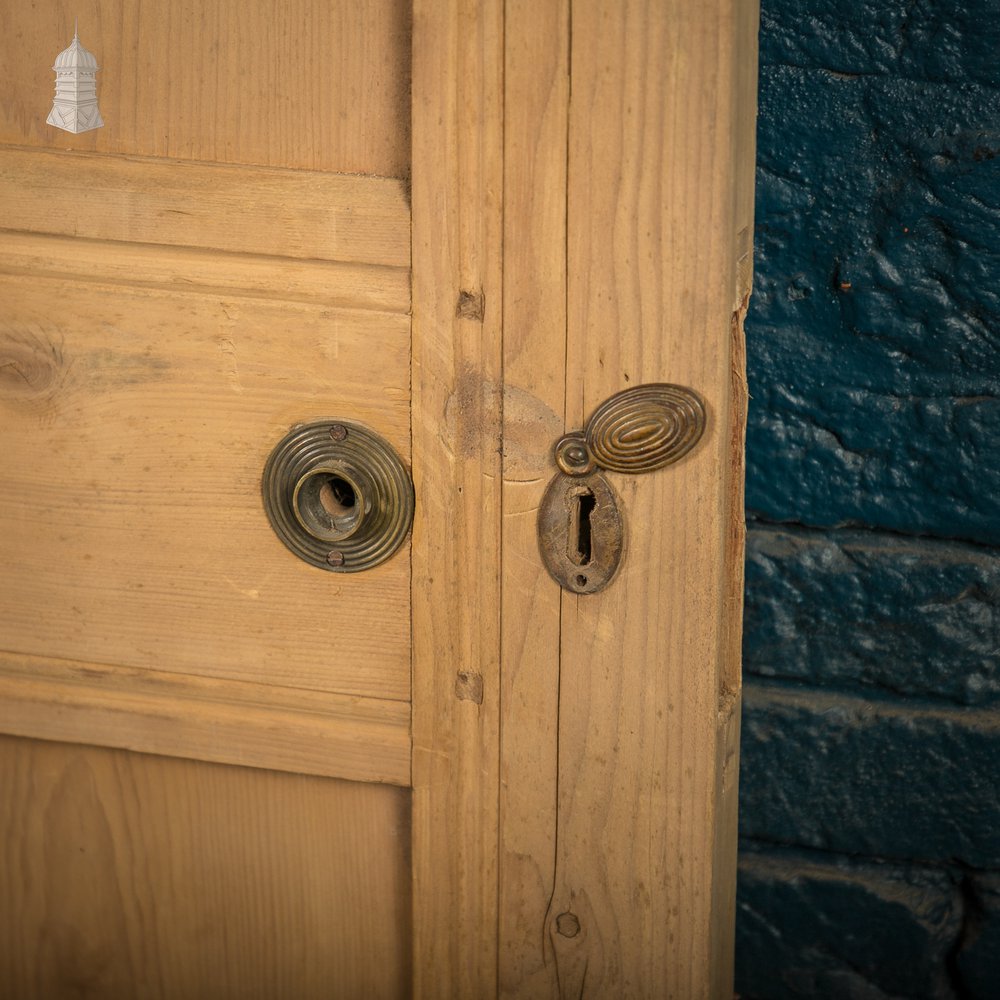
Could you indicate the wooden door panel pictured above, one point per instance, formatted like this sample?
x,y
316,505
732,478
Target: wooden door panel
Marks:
x,y
178,289
136,424
127,875
318,86
164,325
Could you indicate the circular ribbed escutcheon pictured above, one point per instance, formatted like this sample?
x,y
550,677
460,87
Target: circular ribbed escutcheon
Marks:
x,y
646,427
337,495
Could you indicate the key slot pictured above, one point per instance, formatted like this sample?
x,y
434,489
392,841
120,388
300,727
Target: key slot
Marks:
x,y
581,533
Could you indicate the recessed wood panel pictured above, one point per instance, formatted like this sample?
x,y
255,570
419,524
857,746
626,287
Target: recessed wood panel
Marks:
x,y
125,875
319,86
135,425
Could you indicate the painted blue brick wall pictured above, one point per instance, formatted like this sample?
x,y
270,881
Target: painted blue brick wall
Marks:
x,y
870,785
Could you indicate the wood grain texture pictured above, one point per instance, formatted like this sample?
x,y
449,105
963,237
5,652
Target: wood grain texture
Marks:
x,y
297,84
135,425
343,285
536,83
283,213
647,752
124,875
457,315
229,722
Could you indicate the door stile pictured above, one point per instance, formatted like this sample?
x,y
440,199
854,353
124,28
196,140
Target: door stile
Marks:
x,y
536,134
620,716
457,213
649,699
604,735
649,679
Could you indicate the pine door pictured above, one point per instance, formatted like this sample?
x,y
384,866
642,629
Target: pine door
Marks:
x,y
459,226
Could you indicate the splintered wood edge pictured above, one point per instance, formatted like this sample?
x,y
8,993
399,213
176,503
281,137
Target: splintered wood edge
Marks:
x,y
226,722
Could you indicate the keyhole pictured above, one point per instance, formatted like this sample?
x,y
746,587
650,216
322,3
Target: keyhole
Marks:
x,y
581,539
580,532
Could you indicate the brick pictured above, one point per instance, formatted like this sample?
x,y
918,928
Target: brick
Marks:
x,y
917,39
874,329
978,960
878,777
809,929
872,610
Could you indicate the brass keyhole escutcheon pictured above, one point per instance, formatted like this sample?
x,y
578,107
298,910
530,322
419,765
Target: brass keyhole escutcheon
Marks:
x,y
337,495
581,530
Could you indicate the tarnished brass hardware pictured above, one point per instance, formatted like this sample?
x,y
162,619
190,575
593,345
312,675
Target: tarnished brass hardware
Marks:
x,y
646,427
580,532
337,495
641,429
572,454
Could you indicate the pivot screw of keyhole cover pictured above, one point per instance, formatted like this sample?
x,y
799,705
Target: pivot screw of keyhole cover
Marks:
x,y
573,456
338,432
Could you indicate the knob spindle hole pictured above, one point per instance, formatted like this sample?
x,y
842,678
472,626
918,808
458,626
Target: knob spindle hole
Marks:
x,y
328,504
337,496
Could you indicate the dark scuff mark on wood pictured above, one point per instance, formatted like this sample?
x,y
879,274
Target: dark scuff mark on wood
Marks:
x,y
469,686
471,305
472,413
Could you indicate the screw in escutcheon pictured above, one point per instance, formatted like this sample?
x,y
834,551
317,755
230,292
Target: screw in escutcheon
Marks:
x,y
573,456
338,432
335,558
